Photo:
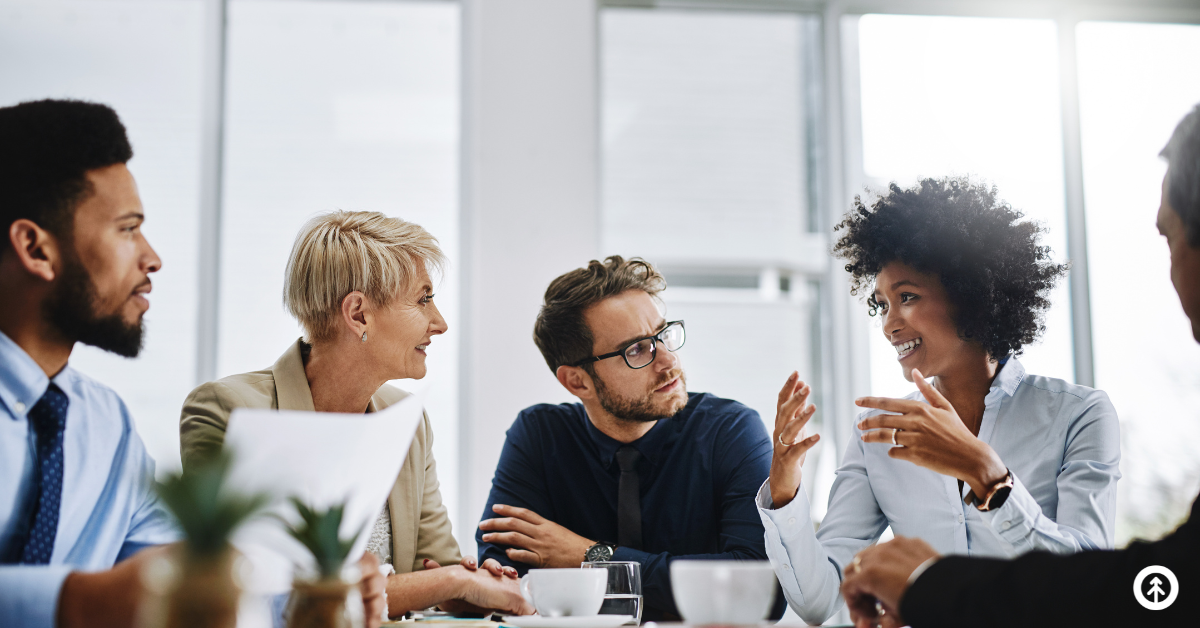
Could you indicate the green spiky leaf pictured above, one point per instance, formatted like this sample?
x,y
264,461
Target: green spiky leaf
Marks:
x,y
207,514
318,531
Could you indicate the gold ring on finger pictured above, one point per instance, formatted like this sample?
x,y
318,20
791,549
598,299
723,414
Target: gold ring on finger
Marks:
x,y
856,564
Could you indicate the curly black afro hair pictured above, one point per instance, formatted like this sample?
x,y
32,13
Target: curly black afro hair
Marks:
x,y
996,275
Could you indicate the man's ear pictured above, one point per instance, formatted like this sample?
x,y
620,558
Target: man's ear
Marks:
x,y
576,380
36,249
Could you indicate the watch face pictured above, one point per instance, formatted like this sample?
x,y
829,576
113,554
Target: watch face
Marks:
x,y
598,552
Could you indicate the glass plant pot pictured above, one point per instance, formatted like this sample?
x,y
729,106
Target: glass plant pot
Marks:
x,y
324,603
184,589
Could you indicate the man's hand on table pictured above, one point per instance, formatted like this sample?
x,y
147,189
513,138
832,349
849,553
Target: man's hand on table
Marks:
x,y
533,539
108,598
877,578
372,586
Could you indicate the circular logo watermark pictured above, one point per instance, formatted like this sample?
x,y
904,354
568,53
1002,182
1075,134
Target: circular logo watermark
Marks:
x,y
1155,587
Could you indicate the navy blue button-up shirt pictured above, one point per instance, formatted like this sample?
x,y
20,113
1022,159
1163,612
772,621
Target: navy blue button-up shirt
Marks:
x,y
700,473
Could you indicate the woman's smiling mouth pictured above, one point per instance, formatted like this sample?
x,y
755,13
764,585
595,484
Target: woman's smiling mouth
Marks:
x,y
906,348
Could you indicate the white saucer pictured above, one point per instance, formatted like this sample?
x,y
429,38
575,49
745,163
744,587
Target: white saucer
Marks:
x,y
585,621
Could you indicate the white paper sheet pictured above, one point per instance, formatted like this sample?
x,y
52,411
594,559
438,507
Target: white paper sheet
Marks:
x,y
323,459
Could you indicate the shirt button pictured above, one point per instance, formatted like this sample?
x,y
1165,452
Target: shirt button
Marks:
x,y
787,567
20,407
960,518
791,521
1006,525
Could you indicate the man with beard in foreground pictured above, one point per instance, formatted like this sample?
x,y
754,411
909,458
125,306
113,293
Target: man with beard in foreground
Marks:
x,y
1146,584
77,505
75,480
638,470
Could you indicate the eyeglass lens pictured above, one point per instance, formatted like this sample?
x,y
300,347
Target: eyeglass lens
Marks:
x,y
642,352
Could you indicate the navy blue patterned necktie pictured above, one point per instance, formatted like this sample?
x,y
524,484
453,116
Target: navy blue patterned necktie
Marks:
x,y
48,418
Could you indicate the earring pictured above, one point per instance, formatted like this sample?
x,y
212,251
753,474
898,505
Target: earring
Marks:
x,y
364,336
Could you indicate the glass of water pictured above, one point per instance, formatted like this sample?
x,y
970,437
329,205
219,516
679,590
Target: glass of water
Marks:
x,y
624,593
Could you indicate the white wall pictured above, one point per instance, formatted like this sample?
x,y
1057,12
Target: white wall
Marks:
x,y
530,133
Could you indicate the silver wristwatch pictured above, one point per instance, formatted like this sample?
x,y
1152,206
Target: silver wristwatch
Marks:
x,y
599,552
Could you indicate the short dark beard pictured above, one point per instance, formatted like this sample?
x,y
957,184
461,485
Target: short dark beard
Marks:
x,y
633,410
71,308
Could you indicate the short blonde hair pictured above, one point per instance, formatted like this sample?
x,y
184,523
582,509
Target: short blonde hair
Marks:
x,y
340,252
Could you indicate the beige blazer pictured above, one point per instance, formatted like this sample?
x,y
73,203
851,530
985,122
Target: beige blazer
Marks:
x,y
420,525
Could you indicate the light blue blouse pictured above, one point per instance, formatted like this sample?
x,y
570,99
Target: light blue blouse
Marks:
x,y
1061,442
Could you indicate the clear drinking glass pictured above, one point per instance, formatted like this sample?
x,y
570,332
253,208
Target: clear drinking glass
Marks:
x,y
624,593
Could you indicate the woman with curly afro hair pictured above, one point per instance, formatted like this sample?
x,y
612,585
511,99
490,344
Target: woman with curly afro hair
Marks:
x,y
984,459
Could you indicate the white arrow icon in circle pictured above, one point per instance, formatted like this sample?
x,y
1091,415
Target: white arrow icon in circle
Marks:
x,y
1156,599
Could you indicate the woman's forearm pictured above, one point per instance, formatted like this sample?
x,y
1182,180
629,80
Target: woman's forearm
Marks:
x,y
422,589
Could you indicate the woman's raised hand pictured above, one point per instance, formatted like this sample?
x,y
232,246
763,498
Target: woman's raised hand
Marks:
x,y
792,413
933,436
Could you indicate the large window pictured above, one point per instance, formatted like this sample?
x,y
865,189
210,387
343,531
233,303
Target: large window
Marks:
x,y
337,105
327,105
952,96
144,59
1136,82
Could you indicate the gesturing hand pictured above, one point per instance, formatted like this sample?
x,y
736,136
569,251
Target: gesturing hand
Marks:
x,y
933,436
876,580
534,540
792,413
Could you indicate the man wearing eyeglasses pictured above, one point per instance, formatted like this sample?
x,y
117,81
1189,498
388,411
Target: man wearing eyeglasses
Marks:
x,y
639,469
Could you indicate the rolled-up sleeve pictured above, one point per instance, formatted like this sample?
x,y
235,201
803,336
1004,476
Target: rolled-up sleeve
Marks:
x,y
1087,489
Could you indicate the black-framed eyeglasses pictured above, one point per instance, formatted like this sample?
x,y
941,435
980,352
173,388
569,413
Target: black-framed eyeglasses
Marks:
x,y
641,352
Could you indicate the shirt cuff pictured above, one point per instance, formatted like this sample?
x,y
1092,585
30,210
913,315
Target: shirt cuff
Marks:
x,y
29,595
788,515
1016,519
912,577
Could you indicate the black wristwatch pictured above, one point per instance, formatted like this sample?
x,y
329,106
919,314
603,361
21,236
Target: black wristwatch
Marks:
x,y
599,552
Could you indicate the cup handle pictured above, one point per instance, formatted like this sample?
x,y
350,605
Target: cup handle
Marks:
x,y
525,592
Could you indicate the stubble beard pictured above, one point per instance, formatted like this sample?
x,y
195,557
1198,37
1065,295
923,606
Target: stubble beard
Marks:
x,y
71,309
641,410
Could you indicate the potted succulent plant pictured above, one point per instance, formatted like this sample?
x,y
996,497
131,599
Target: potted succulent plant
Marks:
x,y
319,600
195,585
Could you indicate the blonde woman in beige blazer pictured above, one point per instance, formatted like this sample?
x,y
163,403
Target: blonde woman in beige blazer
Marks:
x,y
359,284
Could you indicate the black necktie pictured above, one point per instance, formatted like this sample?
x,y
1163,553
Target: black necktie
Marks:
x,y
629,499
48,418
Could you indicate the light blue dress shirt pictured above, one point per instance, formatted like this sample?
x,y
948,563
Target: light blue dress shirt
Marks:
x,y
108,510
1061,442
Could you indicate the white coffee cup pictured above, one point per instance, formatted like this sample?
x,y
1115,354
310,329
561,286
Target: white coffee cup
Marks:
x,y
723,591
565,592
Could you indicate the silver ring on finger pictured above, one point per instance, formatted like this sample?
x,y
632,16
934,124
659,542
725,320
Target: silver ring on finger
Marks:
x,y
895,431
783,443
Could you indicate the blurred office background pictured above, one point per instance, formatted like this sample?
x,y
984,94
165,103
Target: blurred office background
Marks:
x,y
720,140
